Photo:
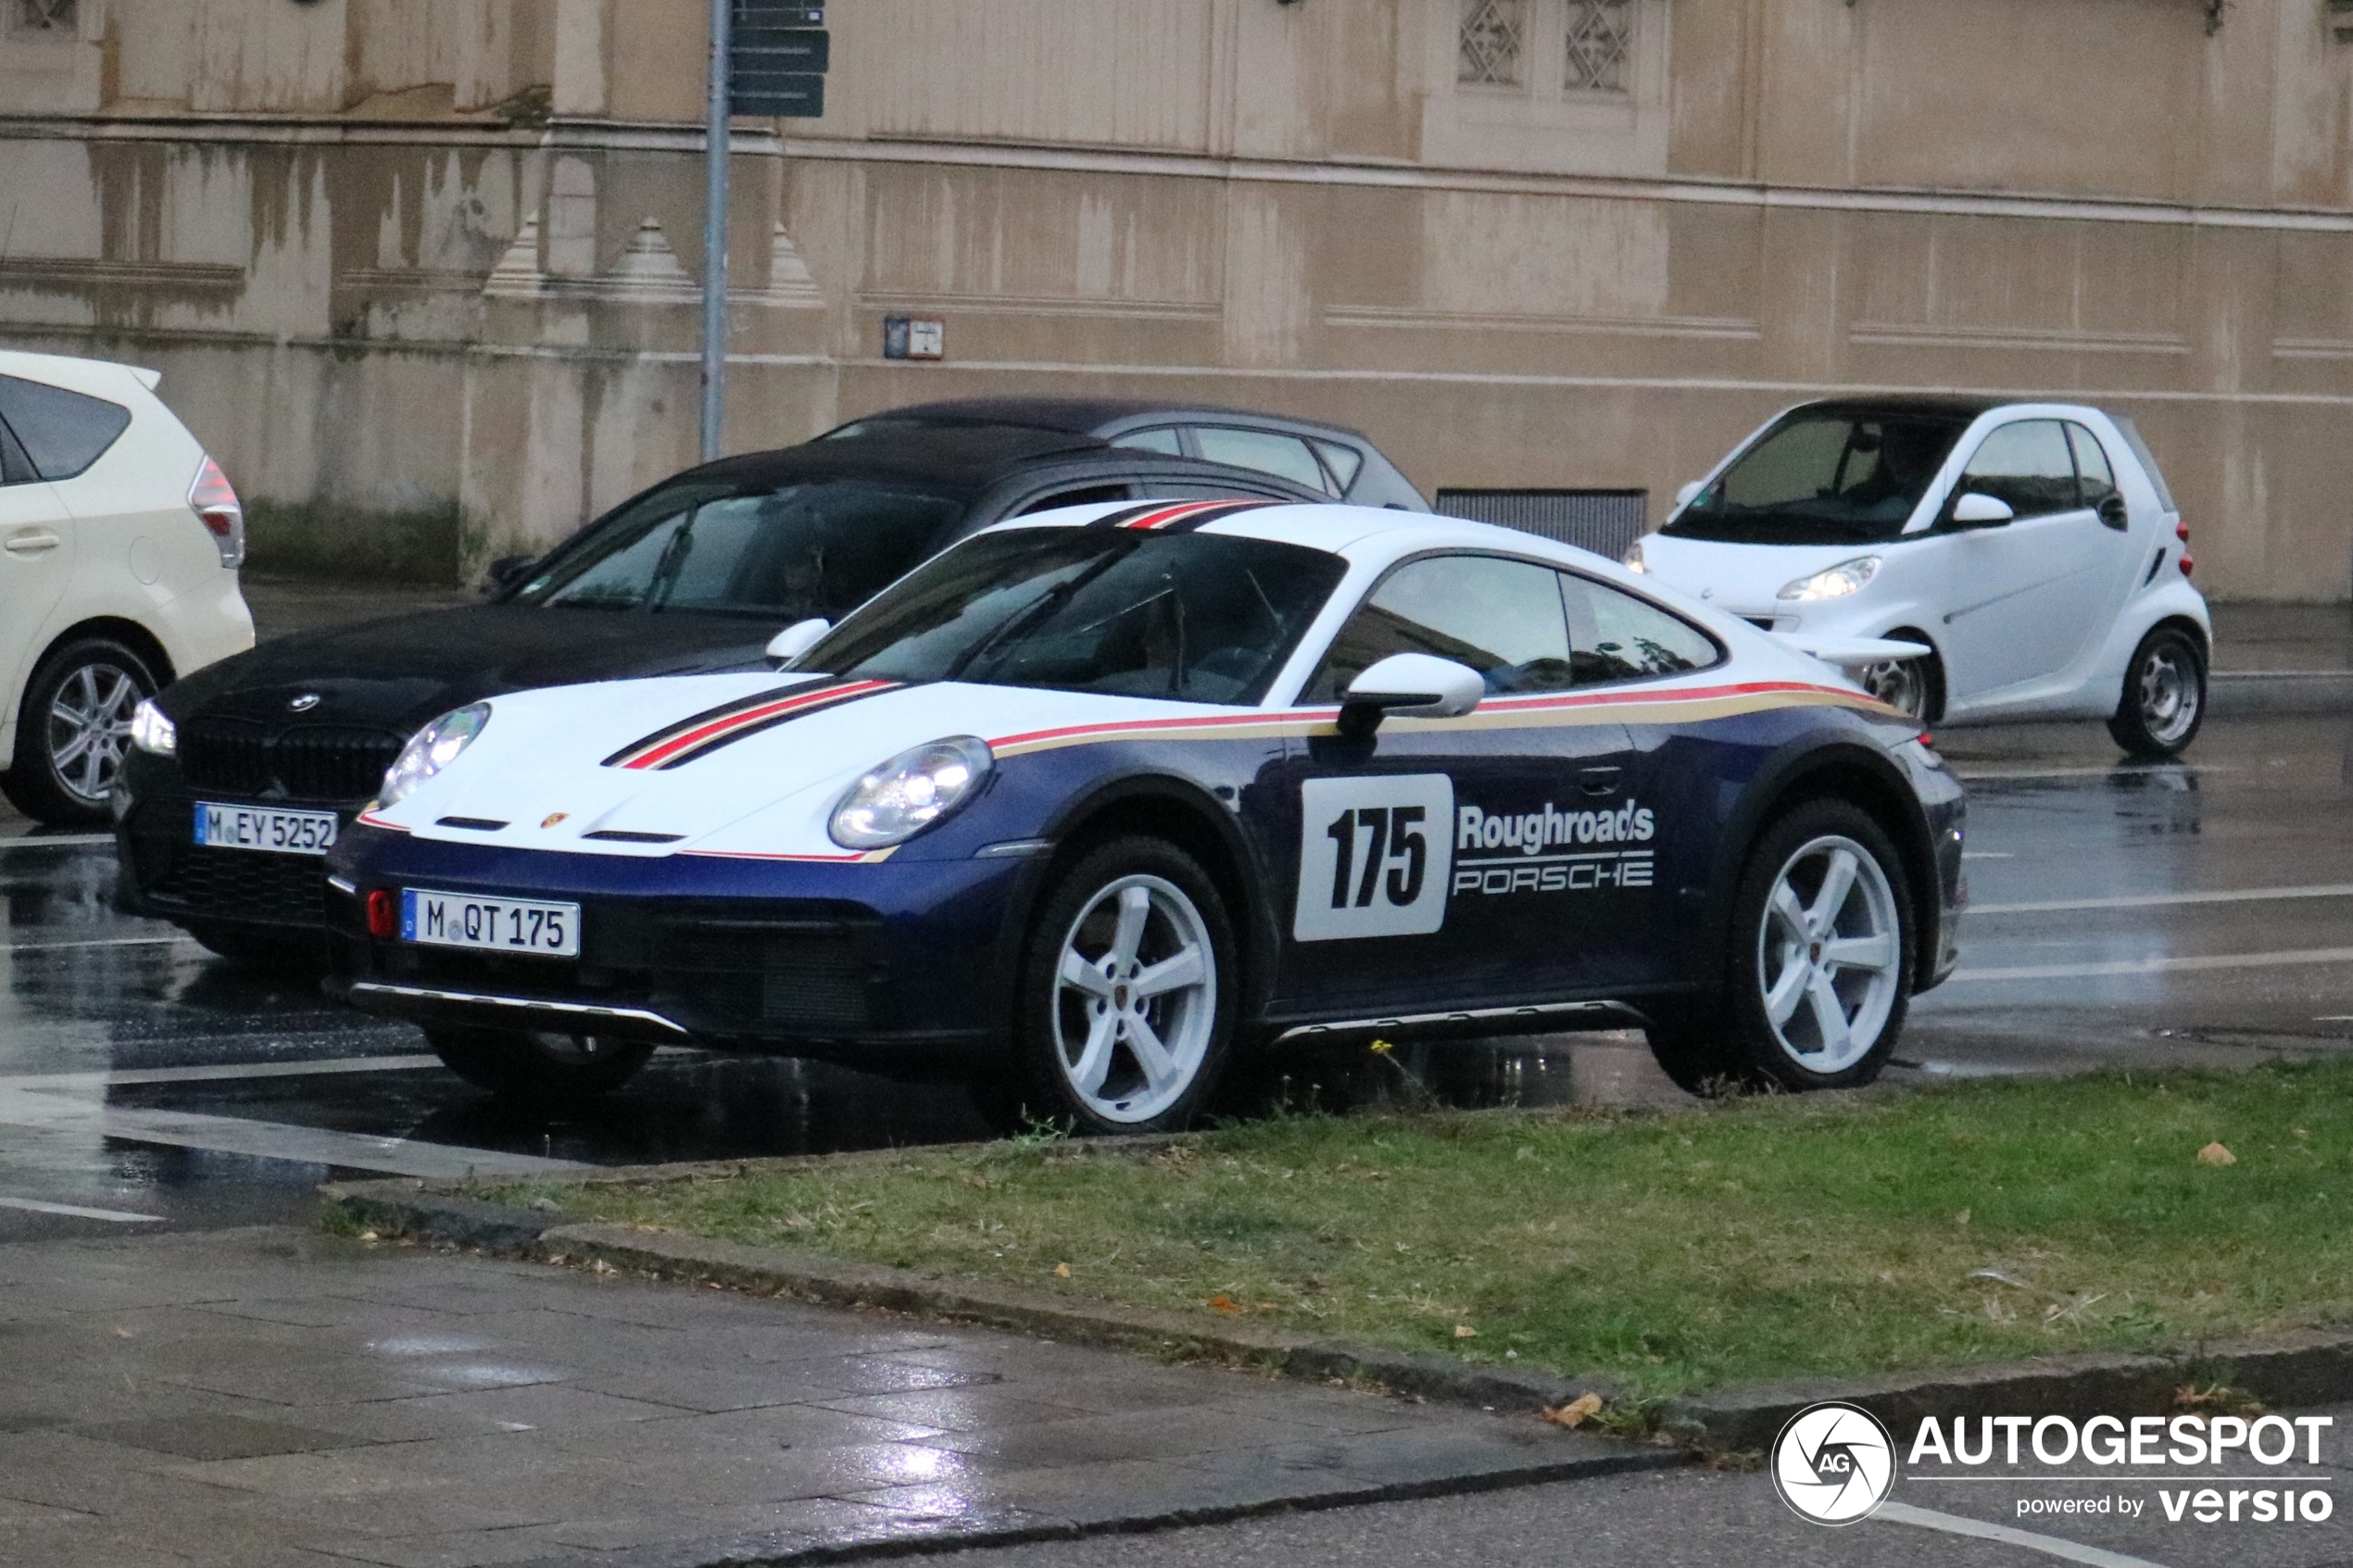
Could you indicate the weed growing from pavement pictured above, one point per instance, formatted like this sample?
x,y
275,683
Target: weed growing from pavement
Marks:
x,y
1737,1243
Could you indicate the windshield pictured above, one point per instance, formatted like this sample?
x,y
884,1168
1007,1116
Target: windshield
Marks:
x,y
1196,617
818,548
1824,476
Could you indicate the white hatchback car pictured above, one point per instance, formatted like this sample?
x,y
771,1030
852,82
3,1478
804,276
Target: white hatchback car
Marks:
x,y
2032,546
119,544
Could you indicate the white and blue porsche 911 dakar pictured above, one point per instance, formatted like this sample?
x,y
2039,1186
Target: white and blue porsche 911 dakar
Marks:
x,y
1097,800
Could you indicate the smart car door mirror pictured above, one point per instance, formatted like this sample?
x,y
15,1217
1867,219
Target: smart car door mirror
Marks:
x,y
2112,513
1413,685
1683,496
1977,510
797,639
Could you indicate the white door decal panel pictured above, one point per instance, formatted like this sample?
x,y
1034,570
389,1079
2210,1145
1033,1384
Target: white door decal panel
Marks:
x,y
1376,855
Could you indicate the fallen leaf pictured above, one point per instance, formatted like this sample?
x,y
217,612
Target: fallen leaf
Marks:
x,y
1961,1220
1574,1412
367,1235
1465,1330
2215,1154
1223,1304
120,1333
1382,1048
2302,1132
1062,1270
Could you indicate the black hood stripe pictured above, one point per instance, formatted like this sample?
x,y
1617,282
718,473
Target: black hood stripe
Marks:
x,y
680,743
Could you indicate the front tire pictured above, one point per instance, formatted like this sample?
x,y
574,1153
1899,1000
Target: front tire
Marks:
x,y
1125,1013
1818,974
539,1069
73,729
2164,698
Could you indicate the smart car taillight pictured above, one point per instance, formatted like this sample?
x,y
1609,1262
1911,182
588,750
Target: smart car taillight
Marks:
x,y
217,506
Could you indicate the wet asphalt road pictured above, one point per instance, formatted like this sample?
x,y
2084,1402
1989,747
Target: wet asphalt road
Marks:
x,y
2193,913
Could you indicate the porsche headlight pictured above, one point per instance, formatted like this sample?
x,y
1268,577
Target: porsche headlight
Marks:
x,y
431,749
150,730
894,802
1632,559
1835,582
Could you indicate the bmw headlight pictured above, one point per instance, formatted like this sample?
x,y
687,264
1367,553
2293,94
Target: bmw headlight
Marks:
x,y
431,749
1632,559
150,730
894,802
1835,582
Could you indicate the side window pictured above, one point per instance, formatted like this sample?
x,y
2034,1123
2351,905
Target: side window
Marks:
x,y
1615,636
1503,617
1265,450
2026,464
63,431
1345,462
1084,495
1163,439
14,467
2092,472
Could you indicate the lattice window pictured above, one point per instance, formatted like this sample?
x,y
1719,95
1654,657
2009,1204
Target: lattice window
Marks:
x,y
1492,42
54,17
1601,36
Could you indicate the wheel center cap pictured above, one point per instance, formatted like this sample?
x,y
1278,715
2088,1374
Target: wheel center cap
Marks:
x,y
1119,997
1813,953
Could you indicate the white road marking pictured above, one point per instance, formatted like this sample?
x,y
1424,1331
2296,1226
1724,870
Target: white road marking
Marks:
x,y
1987,855
2052,1546
76,1211
97,941
2154,900
28,841
2163,966
219,1071
2172,771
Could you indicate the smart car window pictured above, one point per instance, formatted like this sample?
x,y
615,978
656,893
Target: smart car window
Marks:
x,y
1162,439
1503,617
1286,456
63,432
2132,438
2097,480
821,548
1195,616
1616,636
2027,465
1824,476
1083,495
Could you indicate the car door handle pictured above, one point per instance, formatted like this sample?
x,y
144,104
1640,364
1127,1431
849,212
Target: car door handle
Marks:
x,y
31,543
1599,781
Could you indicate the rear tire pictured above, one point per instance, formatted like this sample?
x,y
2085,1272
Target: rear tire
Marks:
x,y
1817,975
1124,1009
72,731
539,1069
2164,698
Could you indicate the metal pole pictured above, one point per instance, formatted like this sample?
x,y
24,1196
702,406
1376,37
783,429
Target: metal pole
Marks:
x,y
715,237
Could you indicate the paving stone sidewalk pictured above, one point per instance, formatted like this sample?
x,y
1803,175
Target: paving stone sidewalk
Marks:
x,y
270,1396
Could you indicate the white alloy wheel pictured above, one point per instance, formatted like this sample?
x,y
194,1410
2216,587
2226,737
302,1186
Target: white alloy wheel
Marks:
x,y
1830,957
1135,998
2165,687
89,729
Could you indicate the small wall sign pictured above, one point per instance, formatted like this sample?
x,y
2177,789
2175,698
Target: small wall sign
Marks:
x,y
914,337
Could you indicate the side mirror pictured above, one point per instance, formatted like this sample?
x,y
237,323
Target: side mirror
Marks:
x,y
1413,685
797,639
1979,510
507,570
1683,496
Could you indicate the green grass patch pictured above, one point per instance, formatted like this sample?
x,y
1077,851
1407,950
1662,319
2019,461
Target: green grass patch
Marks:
x,y
1754,1241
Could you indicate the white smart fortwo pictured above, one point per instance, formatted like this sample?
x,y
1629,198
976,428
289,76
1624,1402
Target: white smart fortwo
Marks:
x,y
2032,546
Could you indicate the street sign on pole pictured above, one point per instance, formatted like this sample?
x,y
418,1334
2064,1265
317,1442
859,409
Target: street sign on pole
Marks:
x,y
767,57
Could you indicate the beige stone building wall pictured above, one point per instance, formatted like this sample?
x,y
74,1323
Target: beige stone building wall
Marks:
x,y
423,271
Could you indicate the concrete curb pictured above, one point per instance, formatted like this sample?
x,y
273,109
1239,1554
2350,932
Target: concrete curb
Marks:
x,y
2238,694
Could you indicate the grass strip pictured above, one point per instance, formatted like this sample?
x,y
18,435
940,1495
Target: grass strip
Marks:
x,y
1723,1245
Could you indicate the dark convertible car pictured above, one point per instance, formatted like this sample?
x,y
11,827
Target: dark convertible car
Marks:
x,y
242,776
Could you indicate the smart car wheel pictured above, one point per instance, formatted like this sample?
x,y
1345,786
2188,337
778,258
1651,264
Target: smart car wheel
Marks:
x,y
537,1068
73,729
1126,1000
1911,687
1819,972
2164,698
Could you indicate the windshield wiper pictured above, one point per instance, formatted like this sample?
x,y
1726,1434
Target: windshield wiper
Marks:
x,y
1028,616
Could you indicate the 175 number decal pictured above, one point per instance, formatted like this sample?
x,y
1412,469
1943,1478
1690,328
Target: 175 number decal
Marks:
x,y
1373,855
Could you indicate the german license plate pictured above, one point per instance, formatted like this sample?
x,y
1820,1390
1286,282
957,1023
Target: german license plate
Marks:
x,y
258,827
505,925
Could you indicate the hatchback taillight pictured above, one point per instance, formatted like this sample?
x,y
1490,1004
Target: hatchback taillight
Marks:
x,y
216,506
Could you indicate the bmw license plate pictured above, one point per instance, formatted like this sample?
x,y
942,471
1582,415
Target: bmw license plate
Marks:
x,y
504,925
258,827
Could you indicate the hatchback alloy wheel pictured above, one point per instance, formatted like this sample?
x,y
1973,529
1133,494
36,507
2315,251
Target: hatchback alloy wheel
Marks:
x,y
89,729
